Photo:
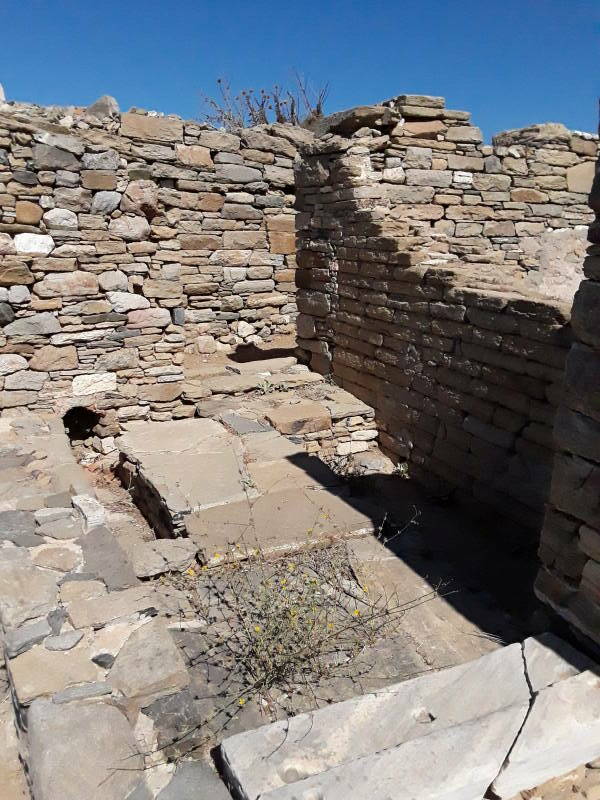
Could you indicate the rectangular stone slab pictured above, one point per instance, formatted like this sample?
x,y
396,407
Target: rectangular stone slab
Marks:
x,y
561,732
315,742
455,763
278,521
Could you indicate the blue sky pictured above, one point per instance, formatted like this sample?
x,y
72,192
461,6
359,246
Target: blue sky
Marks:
x,y
510,62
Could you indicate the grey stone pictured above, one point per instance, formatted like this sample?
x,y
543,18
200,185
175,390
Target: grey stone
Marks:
x,y
63,641
105,202
242,425
341,733
235,173
90,509
162,555
149,665
47,157
70,144
83,692
194,780
549,660
63,528
21,639
104,106
108,159
348,121
7,315
130,228
61,218
457,763
19,527
102,740
562,731
104,557
40,324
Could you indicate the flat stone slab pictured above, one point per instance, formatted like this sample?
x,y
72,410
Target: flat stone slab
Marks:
x,y
184,437
41,672
455,764
26,592
562,731
81,750
278,521
95,612
194,780
298,471
308,744
269,446
296,418
264,366
163,555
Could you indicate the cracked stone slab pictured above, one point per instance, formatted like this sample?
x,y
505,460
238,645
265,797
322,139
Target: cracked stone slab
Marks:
x,y
312,743
162,555
104,557
550,660
101,738
149,665
40,672
194,780
453,764
26,592
562,731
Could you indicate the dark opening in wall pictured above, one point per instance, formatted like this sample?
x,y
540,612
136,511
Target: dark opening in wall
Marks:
x,y
80,422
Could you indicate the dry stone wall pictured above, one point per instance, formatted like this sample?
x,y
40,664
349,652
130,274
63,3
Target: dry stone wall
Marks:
x,y
126,240
570,545
418,281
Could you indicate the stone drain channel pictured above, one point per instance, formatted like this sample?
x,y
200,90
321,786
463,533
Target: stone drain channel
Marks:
x,y
115,646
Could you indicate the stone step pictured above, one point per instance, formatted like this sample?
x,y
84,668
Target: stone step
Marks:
x,y
250,382
443,735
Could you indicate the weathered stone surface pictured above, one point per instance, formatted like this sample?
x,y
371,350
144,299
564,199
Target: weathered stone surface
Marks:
x,y
234,173
67,284
310,744
141,197
25,592
149,318
561,732
130,229
25,381
41,672
305,417
50,358
194,780
580,177
21,639
94,384
105,106
40,324
149,665
104,741
163,555
15,273
11,363
61,218
104,557
35,243
194,155
105,202
27,212
48,157
123,302
156,129
7,315
63,641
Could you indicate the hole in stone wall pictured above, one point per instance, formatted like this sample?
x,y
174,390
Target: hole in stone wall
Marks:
x,y
80,422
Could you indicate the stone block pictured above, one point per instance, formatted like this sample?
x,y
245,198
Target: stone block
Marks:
x,y
155,129
562,731
303,417
94,383
41,672
34,243
103,740
67,284
194,155
98,180
28,213
49,358
580,177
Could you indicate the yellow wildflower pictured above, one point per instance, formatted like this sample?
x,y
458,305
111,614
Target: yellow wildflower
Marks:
x,y
242,701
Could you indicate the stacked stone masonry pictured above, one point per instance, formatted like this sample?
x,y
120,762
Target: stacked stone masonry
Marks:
x,y
418,277
127,239
570,545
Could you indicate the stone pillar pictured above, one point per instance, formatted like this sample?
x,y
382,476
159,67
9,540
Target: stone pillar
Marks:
x,y
569,579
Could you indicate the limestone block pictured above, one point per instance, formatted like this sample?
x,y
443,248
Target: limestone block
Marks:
x,y
28,213
49,358
581,177
123,302
103,740
550,660
10,363
40,672
194,155
304,417
561,732
34,243
108,159
417,709
155,129
25,380
464,133
149,318
92,384
90,509
61,218
455,764
25,592
105,202
67,284
130,229
149,665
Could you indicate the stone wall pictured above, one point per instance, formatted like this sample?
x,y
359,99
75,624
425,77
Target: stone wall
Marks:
x,y
126,240
419,288
570,545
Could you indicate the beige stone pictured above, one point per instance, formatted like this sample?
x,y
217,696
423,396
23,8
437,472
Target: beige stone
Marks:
x,y
49,358
40,672
580,177
28,213
98,179
156,129
303,417
194,155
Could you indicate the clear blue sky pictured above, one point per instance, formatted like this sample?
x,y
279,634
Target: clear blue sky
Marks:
x,y
509,62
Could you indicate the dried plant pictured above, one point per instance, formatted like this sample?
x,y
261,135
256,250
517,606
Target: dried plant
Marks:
x,y
250,107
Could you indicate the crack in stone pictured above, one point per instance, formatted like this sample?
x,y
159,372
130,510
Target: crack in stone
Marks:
x,y
490,794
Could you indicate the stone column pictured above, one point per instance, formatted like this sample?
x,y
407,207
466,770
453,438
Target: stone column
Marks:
x,y
569,579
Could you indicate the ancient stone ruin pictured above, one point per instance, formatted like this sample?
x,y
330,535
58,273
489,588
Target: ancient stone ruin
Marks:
x,y
269,399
